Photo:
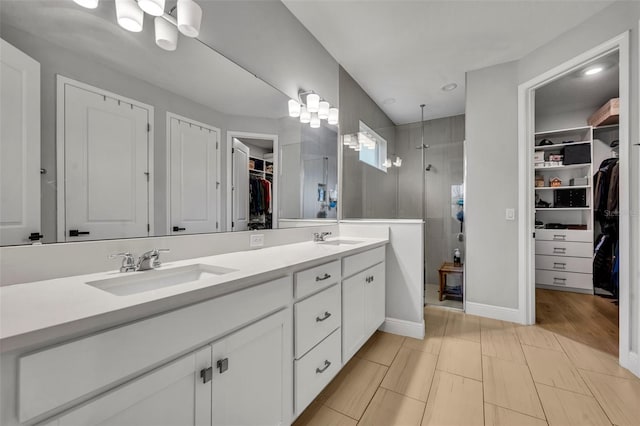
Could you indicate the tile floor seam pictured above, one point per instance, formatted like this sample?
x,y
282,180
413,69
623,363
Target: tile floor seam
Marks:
x,y
526,362
484,414
586,382
433,377
459,375
516,411
337,411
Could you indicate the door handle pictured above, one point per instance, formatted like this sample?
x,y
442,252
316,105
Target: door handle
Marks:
x,y
327,363
178,229
35,236
76,233
325,317
222,365
324,277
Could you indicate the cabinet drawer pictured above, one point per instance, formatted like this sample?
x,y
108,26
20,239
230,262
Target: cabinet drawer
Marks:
x,y
564,235
316,369
564,279
560,248
64,373
315,318
359,262
565,264
314,279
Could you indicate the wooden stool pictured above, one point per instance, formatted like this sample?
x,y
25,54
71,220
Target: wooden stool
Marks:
x,y
448,268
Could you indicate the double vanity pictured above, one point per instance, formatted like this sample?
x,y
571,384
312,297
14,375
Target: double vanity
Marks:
x,y
248,337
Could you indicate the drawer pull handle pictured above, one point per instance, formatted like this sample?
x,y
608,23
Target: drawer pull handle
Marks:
x,y
323,369
559,265
325,317
559,237
370,279
559,250
559,281
324,277
206,374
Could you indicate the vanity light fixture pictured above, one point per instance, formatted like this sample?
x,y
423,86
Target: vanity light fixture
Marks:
x,y
312,109
152,7
398,162
386,163
89,4
166,34
189,17
129,15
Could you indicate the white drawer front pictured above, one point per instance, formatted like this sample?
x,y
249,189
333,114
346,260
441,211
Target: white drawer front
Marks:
x,y
564,235
61,374
560,248
565,264
359,262
314,279
316,369
315,318
564,279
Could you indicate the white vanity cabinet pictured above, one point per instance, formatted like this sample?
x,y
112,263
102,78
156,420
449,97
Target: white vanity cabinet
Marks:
x,y
363,299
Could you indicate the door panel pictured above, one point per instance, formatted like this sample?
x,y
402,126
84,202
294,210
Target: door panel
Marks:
x,y
106,166
195,197
353,315
19,146
375,298
240,189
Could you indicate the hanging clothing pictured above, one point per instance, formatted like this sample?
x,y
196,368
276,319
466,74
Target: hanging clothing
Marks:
x,y
259,195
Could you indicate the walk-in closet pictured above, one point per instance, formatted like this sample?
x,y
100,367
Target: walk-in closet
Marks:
x,y
576,163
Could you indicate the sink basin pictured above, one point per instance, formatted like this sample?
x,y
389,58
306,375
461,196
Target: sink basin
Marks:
x,y
340,242
139,282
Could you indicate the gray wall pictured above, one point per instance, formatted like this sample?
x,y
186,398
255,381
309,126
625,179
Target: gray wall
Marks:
x,y
492,134
367,192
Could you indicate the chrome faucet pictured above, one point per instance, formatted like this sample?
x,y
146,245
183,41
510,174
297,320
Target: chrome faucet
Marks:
x,y
149,260
128,262
320,236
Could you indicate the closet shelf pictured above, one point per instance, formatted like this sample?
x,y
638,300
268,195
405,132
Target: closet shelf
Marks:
x,y
559,145
560,209
544,188
567,167
561,131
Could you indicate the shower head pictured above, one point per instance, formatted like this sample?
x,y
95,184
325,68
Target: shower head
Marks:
x,y
422,146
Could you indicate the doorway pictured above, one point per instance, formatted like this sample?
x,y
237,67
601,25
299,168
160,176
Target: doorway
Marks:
x,y
563,224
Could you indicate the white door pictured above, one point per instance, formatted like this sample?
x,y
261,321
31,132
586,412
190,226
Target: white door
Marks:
x,y
174,394
19,147
240,186
106,171
248,382
194,194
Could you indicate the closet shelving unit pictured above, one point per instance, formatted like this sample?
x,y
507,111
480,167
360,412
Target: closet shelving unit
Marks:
x,y
564,256
260,169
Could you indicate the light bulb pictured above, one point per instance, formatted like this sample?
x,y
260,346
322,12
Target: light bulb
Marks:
x,y
346,140
129,15
166,34
189,17
294,108
89,4
313,102
315,121
305,115
152,7
323,110
333,116
398,162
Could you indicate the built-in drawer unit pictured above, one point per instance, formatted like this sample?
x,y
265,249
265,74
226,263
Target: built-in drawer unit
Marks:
x,y
65,373
583,265
315,318
564,279
563,248
311,280
564,235
359,262
316,369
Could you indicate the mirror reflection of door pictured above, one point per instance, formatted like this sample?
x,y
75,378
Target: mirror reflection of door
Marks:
x,y
19,147
240,186
194,176
106,171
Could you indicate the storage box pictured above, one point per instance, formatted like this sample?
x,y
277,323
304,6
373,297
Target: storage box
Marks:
x,y
570,198
608,114
579,181
538,157
539,181
577,154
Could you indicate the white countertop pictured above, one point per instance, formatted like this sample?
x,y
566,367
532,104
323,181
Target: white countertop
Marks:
x,y
48,311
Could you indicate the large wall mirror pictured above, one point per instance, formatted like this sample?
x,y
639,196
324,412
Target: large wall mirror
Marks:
x,y
105,135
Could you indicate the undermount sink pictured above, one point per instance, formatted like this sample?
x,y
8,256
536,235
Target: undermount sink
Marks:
x,y
340,242
139,282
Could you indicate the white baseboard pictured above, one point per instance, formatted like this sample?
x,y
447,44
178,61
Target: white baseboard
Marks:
x,y
495,312
403,328
631,362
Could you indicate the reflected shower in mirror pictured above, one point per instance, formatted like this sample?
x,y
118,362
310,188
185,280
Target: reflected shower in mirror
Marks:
x,y
106,136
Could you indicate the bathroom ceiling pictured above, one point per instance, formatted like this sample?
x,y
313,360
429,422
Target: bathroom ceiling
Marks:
x,y
403,52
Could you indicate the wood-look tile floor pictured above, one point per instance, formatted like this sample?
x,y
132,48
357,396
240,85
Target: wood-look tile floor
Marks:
x,y
476,371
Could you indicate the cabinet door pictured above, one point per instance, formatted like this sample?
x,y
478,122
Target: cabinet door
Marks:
x,y
353,315
374,298
252,374
171,395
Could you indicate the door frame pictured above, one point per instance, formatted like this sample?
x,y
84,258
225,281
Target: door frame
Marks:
x,y
178,117
276,166
526,128
61,81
